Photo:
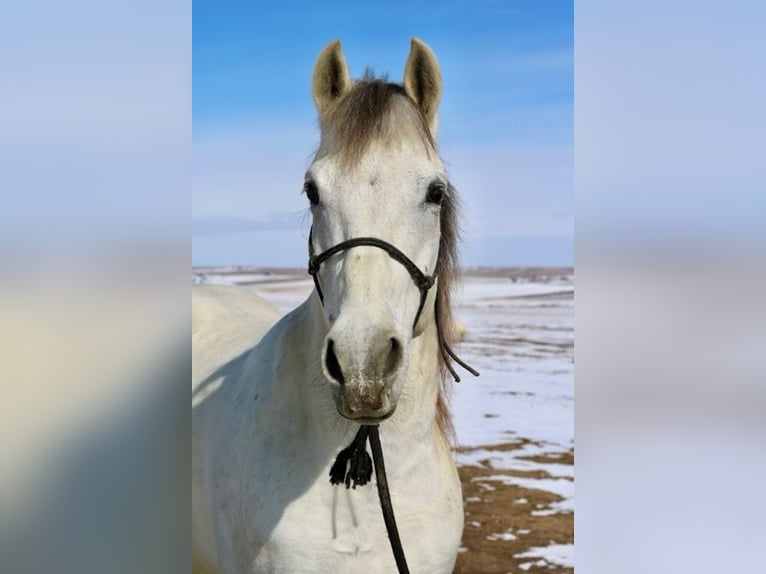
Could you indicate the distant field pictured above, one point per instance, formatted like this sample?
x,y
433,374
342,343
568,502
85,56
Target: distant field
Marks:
x,y
511,272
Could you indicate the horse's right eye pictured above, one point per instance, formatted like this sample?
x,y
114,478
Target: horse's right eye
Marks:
x,y
311,191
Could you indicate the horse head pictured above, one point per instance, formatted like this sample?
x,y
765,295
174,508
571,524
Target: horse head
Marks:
x,y
379,195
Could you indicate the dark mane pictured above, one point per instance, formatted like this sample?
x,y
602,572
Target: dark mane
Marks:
x,y
372,111
448,272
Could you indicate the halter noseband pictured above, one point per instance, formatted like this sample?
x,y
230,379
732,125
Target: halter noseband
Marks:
x,y
422,281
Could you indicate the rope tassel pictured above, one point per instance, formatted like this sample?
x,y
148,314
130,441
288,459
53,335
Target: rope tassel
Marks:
x,y
353,466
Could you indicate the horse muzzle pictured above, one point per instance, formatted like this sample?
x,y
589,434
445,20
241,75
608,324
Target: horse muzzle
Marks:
x,y
364,369
379,410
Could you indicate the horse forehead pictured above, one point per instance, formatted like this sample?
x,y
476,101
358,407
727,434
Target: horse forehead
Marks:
x,y
381,166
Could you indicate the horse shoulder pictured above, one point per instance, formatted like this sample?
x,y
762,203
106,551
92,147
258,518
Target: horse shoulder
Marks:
x,y
226,321
214,305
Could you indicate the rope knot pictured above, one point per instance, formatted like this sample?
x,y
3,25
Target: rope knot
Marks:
x,y
353,464
425,282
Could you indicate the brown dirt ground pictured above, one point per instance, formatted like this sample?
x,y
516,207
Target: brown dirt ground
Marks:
x,y
492,507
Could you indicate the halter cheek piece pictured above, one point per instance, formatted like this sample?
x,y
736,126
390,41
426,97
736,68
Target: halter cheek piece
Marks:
x,y
422,281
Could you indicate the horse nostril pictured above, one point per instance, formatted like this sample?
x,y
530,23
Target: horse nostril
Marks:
x,y
394,355
332,364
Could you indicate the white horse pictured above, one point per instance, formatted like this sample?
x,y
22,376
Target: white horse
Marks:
x,y
275,400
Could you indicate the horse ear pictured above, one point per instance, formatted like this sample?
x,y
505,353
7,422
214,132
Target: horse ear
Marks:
x,y
423,81
331,79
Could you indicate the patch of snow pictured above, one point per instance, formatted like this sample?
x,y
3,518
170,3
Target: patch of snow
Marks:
x,y
501,536
555,508
558,554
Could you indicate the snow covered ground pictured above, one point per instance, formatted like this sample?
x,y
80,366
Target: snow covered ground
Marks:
x,y
520,336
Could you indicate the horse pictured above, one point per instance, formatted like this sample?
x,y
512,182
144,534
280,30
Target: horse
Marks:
x,y
275,398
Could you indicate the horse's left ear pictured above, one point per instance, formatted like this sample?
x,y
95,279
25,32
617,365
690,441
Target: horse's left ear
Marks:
x,y
423,81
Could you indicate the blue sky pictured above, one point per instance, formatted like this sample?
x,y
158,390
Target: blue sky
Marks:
x,y
506,119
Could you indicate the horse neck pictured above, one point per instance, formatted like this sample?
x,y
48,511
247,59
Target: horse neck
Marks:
x,y
415,415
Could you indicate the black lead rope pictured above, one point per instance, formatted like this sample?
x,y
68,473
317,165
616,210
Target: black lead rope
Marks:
x,y
385,502
352,466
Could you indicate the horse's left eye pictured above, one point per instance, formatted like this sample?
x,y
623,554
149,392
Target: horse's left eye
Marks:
x,y
435,193
311,191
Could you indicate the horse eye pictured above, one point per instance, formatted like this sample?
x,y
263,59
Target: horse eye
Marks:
x,y
435,193
311,191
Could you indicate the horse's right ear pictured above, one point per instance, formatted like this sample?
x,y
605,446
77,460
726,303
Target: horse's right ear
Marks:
x,y
331,78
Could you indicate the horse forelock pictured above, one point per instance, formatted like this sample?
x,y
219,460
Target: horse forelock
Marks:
x,y
373,110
